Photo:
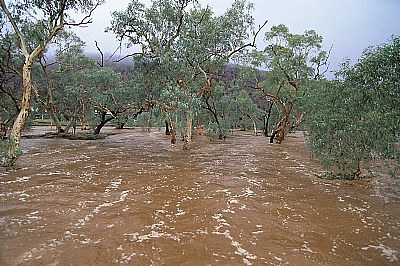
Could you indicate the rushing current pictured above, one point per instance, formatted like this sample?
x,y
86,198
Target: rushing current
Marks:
x,y
135,199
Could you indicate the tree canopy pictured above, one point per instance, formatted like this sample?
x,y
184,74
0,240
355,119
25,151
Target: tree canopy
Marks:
x,y
356,117
180,76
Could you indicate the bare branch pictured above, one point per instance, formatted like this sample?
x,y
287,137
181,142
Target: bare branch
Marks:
x,y
101,54
85,20
251,44
324,63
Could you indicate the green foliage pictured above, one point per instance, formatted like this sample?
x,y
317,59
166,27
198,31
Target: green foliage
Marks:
x,y
357,117
185,47
228,107
35,23
295,57
291,62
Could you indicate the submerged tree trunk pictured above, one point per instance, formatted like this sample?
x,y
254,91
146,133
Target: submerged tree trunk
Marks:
x,y
50,110
48,105
120,125
173,136
188,136
254,124
167,128
72,121
266,119
284,123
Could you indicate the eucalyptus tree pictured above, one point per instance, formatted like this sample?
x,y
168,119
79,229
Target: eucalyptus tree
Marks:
x,y
10,98
153,29
191,41
108,95
356,118
210,42
245,108
228,107
38,20
68,91
9,80
291,61
51,63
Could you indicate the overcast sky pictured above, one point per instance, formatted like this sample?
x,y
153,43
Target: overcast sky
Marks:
x,y
349,25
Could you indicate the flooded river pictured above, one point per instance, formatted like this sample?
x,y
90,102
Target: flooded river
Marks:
x,y
134,199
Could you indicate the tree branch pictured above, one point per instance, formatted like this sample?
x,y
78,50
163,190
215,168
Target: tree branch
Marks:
x,y
16,29
101,54
251,44
178,29
85,20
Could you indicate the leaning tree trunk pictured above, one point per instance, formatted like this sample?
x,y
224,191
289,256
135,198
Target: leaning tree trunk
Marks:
x,y
55,119
72,121
102,123
281,132
15,145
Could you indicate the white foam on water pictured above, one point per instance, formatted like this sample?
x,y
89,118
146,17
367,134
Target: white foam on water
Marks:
x,y
247,256
387,252
180,212
247,192
136,237
306,248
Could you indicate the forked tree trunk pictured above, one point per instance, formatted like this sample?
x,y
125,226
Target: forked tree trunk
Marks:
x,y
281,131
50,107
284,123
72,121
55,119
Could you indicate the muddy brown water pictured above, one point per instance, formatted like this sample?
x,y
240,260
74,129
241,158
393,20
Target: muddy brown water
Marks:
x,y
134,199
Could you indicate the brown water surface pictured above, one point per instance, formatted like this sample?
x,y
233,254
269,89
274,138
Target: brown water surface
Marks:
x,y
134,199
